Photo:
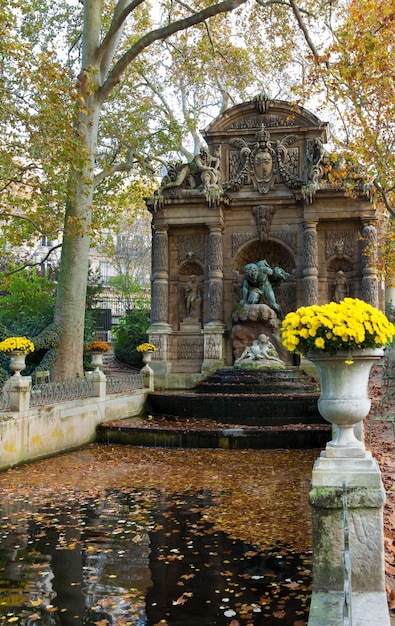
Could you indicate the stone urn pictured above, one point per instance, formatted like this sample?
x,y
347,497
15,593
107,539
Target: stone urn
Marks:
x,y
344,397
17,361
97,360
147,356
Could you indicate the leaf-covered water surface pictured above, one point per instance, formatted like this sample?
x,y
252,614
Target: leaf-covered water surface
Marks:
x,y
133,536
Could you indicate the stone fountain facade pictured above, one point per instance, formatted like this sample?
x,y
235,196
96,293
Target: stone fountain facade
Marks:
x,y
259,190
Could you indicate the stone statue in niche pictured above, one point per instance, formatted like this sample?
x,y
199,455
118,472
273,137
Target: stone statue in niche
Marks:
x,y
258,282
261,353
193,299
341,287
201,174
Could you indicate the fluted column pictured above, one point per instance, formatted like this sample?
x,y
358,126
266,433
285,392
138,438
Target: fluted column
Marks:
x,y
160,277
215,275
160,329
214,328
370,285
310,264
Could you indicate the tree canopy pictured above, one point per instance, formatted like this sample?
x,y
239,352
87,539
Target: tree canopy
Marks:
x,y
95,95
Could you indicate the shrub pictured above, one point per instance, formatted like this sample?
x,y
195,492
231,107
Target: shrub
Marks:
x,y
130,332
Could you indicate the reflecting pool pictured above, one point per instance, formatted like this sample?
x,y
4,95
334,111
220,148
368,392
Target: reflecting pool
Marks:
x,y
136,536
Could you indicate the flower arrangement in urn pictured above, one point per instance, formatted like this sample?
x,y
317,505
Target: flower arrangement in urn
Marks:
x,y
97,346
348,325
16,344
146,347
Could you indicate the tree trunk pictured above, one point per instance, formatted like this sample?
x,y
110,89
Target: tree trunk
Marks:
x,y
74,262
97,80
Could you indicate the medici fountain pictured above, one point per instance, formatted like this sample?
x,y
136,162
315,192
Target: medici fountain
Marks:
x,y
247,231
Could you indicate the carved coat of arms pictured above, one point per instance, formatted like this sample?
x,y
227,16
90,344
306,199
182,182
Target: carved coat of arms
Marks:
x,y
262,162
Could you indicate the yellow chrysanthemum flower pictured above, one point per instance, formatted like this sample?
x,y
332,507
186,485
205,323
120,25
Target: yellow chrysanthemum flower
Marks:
x,y
346,325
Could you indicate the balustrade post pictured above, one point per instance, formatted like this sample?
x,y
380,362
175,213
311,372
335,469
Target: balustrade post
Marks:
x,y
19,388
99,381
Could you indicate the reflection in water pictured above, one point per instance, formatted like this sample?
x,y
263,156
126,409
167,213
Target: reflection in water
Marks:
x,y
142,557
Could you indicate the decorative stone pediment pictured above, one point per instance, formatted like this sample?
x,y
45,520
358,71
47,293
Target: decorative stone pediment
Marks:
x,y
268,145
262,162
276,114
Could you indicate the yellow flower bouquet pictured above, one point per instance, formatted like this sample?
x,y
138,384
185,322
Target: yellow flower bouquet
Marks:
x,y
16,344
146,347
347,325
97,346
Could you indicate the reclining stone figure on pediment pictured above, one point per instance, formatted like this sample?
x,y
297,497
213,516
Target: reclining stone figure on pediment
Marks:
x,y
199,176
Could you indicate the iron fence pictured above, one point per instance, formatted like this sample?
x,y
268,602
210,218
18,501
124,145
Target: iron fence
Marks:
x,y
56,392
52,393
124,382
119,306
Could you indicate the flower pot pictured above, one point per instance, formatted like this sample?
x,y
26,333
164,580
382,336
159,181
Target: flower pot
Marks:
x,y
344,397
17,361
147,356
97,360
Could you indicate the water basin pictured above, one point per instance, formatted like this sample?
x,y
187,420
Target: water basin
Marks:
x,y
132,536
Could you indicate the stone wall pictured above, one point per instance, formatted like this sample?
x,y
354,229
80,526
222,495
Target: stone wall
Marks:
x,y
48,430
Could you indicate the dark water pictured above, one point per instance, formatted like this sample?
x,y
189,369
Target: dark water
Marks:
x,y
142,557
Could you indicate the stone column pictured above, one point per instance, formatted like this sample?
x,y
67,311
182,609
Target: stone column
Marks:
x,y
160,329
18,388
99,382
215,275
365,501
370,285
214,328
160,277
310,264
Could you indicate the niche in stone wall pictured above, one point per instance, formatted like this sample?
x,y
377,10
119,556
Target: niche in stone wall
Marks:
x,y
340,270
277,255
190,292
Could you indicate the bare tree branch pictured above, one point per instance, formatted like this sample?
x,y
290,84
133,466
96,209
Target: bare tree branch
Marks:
x,y
105,53
303,28
131,160
22,171
24,218
159,34
384,196
34,264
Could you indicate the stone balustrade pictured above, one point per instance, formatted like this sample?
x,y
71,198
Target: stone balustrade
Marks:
x,y
46,419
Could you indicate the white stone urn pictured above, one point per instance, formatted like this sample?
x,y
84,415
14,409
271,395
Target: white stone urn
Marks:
x,y
17,361
147,356
344,399
97,360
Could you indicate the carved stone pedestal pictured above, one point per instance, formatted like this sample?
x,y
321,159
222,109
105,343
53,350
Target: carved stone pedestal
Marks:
x,y
365,501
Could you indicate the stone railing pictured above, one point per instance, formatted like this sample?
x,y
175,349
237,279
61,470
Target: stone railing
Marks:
x,y
19,394
48,418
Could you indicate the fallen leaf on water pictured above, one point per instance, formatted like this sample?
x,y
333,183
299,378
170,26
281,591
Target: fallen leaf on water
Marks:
x,y
279,614
292,585
182,599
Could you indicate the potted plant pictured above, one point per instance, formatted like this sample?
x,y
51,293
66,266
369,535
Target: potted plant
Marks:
x,y
146,350
17,348
96,349
343,340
